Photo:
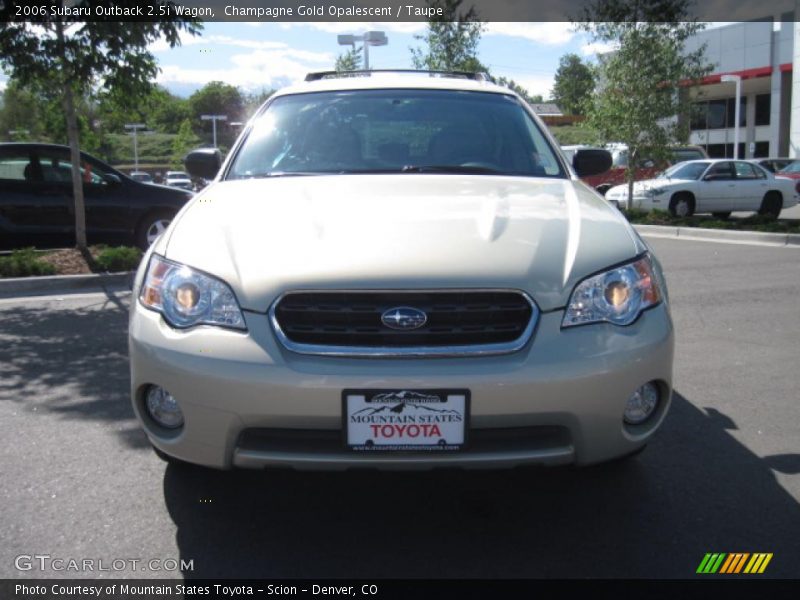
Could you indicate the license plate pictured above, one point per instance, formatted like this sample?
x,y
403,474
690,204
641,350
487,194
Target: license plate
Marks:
x,y
403,420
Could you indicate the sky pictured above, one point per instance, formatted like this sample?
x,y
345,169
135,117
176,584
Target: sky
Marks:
x,y
257,56
263,55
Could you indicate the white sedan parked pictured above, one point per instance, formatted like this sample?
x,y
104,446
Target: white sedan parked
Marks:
x,y
710,186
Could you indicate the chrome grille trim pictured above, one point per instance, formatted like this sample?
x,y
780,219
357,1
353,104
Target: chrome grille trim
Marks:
x,y
455,351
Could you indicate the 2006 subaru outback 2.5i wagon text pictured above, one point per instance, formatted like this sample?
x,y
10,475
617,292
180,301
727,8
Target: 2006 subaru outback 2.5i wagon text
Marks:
x,y
399,270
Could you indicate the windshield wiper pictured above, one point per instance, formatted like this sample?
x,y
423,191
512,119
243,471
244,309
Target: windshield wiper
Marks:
x,y
283,174
475,169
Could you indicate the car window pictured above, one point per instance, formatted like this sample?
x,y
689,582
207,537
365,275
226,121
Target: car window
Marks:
x,y
57,168
17,167
745,171
794,167
720,171
619,158
367,131
689,171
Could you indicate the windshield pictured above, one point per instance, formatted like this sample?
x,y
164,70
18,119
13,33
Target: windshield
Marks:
x,y
400,131
686,170
792,168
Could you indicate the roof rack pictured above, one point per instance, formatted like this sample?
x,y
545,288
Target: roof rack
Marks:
x,y
317,76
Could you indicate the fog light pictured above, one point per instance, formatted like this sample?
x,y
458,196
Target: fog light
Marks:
x,y
163,408
642,404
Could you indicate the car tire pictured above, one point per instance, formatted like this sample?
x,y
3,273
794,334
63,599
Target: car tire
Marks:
x,y
151,226
681,205
771,205
722,215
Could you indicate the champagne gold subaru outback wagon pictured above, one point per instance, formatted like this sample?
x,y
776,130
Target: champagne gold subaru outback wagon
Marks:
x,y
398,270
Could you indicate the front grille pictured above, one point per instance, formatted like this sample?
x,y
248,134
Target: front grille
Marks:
x,y
458,322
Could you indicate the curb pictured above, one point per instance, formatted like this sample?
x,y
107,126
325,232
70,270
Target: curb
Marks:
x,y
753,238
64,284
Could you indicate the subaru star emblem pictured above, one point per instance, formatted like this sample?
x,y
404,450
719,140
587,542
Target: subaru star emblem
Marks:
x,y
404,317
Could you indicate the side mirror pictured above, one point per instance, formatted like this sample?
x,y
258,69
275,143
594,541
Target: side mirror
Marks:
x,y
112,178
203,163
591,161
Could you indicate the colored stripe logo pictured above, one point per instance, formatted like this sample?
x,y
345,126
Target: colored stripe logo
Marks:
x,y
734,563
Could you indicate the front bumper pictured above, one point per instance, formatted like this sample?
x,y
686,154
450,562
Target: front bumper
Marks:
x,y
249,402
640,202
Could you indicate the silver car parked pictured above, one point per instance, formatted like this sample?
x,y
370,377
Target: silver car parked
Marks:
x,y
399,270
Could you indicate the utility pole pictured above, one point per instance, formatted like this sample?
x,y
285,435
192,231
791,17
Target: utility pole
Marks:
x,y
135,127
214,119
737,79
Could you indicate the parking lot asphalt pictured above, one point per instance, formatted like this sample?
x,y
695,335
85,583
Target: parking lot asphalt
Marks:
x,y
78,479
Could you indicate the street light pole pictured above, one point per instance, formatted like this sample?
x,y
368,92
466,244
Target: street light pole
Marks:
x,y
370,38
738,80
214,119
135,127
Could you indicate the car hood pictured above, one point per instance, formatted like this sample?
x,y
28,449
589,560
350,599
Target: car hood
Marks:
x,y
645,185
409,231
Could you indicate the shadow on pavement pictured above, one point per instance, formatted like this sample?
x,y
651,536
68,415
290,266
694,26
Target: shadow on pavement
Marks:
x,y
695,490
72,362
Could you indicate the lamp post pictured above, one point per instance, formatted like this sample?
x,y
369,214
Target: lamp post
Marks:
x,y
370,38
135,127
738,80
214,119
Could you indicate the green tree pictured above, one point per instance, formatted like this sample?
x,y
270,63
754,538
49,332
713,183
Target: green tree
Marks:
x,y
184,142
254,100
22,113
162,111
69,59
643,95
524,93
349,61
217,98
573,86
451,41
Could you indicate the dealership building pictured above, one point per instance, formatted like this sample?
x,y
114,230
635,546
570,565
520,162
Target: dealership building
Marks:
x,y
764,55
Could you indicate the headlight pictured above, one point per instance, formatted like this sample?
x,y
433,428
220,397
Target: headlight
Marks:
x,y
655,192
186,297
617,296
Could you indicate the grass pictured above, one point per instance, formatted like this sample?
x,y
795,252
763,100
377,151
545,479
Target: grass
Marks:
x,y
121,258
752,223
25,263
28,262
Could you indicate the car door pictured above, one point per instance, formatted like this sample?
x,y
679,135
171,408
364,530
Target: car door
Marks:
x,y
24,194
751,186
716,191
57,211
106,204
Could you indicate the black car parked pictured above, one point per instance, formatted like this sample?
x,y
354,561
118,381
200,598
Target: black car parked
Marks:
x,y
36,205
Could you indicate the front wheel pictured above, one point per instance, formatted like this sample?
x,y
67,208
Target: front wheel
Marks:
x,y
152,226
681,205
771,205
